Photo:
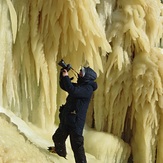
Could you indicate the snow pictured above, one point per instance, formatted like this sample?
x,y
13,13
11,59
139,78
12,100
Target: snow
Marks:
x,y
20,143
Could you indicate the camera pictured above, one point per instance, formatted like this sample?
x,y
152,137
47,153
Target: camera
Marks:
x,y
64,65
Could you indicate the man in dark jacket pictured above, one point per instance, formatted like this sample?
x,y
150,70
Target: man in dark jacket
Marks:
x,y
73,113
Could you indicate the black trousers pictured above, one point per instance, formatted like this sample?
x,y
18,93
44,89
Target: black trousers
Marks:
x,y
77,144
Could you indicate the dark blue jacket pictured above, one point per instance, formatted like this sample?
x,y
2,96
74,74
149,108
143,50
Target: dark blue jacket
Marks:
x,y
73,113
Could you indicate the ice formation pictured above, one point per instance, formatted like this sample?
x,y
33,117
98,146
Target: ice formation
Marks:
x,y
121,40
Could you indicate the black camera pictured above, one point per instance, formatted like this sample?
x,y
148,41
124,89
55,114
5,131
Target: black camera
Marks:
x,y
64,65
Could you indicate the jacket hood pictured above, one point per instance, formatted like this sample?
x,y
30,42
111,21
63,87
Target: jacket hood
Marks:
x,y
89,75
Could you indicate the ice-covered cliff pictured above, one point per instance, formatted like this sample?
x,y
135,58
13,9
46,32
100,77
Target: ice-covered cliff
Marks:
x,y
121,40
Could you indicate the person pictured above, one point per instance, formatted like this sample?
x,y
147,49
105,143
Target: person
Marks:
x,y
73,113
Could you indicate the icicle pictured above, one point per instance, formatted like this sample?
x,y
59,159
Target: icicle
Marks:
x,y
13,17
